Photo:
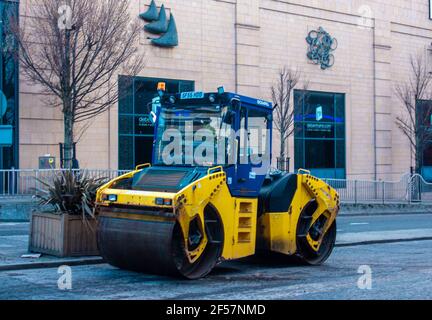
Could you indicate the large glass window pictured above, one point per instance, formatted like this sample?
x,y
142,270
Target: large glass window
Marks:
x,y
136,129
8,87
319,133
424,124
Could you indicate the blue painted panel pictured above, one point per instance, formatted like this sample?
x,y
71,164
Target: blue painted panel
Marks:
x,y
427,173
6,136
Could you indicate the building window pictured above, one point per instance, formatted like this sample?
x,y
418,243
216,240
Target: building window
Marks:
x,y
8,87
319,133
136,129
424,127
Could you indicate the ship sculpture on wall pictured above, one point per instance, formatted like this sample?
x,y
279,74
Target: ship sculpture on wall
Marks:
x,y
159,24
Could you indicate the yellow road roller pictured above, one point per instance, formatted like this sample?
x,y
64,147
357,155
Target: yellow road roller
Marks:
x,y
211,195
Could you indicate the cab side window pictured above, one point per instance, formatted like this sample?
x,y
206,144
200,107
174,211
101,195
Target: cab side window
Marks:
x,y
243,134
258,135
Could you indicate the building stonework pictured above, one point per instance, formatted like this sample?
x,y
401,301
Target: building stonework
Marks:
x,y
242,44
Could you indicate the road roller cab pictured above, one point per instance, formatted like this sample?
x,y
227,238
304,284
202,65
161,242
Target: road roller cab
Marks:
x,y
210,195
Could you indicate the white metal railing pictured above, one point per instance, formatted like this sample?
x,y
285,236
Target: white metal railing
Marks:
x,y
26,182
368,191
410,189
420,190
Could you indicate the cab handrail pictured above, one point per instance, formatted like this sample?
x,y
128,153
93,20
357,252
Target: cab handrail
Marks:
x,y
142,166
214,170
303,171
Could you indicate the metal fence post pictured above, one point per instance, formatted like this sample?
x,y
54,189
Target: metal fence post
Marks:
x,y
383,192
355,191
13,182
409,188
36,182
420,190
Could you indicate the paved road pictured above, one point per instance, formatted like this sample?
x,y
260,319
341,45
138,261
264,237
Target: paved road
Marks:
x,y
399,271
346,224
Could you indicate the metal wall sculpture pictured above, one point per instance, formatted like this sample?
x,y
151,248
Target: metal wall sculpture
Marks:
x,y
321,46
159,24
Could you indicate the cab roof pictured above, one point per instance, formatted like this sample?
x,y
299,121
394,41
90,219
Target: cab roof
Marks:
x,y
201,97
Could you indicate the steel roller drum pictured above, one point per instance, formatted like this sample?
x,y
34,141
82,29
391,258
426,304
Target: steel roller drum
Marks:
x,y
153,247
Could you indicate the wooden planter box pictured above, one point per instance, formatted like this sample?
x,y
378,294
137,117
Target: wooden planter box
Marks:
x,y
62,235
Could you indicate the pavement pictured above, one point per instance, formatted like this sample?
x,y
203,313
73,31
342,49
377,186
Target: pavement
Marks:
x,y
14,241
396,248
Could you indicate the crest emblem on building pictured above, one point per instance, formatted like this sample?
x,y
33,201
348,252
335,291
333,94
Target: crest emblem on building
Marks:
x,y
159,24
321,48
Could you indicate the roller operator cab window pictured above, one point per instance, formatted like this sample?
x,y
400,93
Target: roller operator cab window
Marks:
x,y
258,132
195,135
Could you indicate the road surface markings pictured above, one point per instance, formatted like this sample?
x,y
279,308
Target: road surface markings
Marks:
x,y
359,223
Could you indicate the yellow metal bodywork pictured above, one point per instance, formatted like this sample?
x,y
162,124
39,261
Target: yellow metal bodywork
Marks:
x,y
278,231
237,215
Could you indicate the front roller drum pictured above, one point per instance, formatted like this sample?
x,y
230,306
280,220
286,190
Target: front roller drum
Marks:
x,y
157,247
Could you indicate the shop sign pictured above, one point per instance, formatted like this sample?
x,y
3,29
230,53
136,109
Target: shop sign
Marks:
x,y
145,121
319,127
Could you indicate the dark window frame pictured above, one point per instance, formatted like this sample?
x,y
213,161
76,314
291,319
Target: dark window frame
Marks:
x,y
190,84
14,149
301,136
421,114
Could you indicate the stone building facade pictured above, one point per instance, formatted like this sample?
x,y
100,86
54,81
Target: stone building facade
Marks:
x,y
242,44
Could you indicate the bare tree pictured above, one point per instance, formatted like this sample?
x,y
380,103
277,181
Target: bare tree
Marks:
x,y
416,97
74,49
282,92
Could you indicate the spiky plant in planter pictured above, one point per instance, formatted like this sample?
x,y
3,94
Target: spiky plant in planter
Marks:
x,y
66,224
70,192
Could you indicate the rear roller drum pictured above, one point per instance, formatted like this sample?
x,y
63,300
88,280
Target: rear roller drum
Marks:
x,y
305,251
212,253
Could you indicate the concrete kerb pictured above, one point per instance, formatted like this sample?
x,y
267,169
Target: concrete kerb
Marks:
x,y
52,264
